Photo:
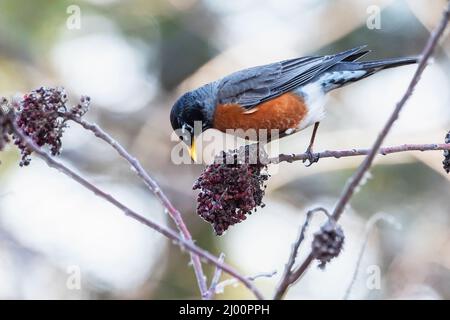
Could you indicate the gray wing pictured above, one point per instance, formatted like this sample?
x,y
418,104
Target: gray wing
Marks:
x,y
253,86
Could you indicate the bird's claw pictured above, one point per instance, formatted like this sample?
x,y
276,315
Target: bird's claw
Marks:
x,y
311,157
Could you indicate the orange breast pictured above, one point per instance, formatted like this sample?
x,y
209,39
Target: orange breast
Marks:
x,y
282,113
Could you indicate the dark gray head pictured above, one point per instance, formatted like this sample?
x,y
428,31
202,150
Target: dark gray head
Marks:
x,y
192,107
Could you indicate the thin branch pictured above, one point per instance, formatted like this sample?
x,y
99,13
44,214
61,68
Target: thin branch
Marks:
x,y
229,282
177,218
215,280
370,225
360,152
262,275
358,176
183,243
355,180
288,270
298,273
154,188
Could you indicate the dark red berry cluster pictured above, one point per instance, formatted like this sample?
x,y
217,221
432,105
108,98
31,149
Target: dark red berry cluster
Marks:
x,y
229,190
446,161
42,115
328,242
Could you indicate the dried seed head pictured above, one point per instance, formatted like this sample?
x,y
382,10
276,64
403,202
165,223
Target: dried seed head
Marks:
x,y
327,242
39,117
229,190
42,115
446,161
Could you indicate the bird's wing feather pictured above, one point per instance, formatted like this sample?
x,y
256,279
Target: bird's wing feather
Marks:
x,y
250,87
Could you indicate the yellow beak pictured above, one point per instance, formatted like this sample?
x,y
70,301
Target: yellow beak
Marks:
x,y
192,150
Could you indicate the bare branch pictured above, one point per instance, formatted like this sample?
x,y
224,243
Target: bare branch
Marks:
x,y
287,279
358,176
360,152
354,181
221,286
183,243
154,188
215,280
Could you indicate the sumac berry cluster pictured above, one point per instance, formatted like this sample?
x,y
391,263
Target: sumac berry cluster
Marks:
x,y
230,191
42,115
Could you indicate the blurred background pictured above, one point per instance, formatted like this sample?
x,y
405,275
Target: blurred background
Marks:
x,y
134,58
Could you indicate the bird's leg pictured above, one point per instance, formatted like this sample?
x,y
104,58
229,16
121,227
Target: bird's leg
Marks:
x,y
309,151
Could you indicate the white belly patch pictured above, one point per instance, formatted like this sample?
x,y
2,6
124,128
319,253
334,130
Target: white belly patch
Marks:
x,y
315,93
315,100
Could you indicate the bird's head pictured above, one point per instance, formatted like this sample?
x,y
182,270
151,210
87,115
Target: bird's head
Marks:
x,y
190,116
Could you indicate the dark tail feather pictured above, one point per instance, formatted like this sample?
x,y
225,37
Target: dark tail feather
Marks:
x,y
357,55
349,70
378,65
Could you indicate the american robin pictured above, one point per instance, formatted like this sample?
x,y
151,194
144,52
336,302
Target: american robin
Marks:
x,y
286,95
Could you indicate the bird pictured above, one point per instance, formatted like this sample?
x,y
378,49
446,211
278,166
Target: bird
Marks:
x,y
287,96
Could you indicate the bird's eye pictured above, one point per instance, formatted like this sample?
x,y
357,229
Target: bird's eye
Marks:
x,y
181,138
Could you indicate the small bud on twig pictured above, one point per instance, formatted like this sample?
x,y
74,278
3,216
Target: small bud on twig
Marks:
x,y
328,242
